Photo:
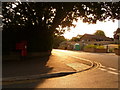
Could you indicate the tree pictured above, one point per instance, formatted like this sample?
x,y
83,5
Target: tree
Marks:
x,y
77,38
58,40
99,32
37,21
74,39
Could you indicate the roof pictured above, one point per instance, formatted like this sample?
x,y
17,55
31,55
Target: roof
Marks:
x,y
93,37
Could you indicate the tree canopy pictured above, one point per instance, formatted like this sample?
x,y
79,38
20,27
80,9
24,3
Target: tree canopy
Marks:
x,y
99,32
58,40
37,20
52,14
77,38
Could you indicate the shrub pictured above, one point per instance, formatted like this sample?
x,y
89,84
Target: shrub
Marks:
x,y
90,46
100,47
118,47
111,50
95,46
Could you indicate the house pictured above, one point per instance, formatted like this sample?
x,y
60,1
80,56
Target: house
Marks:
x,y
95,39
67,45
86,39
117,36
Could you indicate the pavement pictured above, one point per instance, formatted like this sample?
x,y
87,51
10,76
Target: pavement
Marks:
x,y
36,68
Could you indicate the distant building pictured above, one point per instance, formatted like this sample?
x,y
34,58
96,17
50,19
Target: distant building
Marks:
x,y
69,45
89,37
85,40
117,35
95,39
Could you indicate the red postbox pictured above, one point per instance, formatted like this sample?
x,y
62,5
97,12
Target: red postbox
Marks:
x,y
23,47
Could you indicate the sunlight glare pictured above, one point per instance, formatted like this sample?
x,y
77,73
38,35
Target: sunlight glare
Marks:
x,y
81,28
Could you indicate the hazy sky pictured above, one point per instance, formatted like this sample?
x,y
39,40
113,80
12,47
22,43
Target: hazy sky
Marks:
x,y
81,28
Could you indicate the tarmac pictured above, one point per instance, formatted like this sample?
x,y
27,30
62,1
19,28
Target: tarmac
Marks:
x,y
36,68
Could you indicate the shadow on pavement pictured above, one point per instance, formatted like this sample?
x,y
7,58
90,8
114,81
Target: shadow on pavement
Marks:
x,y
29,66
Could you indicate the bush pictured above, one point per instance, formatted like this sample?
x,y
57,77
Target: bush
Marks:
x,y
100,47
90,46
117,47
111,50
94,46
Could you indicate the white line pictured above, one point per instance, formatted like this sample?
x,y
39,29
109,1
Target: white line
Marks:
x,y
80,58
102,66
112,69
102,69
83,59
113,72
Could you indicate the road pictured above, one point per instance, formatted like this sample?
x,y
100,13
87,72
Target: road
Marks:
x,y
104,76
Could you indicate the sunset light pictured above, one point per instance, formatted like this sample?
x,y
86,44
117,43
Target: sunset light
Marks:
x,y
60,44
81,28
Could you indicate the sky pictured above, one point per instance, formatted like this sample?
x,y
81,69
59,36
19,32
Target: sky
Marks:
x,y
81,28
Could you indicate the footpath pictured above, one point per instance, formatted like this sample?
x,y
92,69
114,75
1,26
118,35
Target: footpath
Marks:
x,y
36,68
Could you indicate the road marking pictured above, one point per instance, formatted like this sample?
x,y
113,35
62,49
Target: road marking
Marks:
x,y
102,66
78,57
108,70
81,58
102,69
112,72
112,69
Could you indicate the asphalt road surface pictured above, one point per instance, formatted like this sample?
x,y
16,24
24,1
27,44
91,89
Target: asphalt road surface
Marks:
x,y
104,76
